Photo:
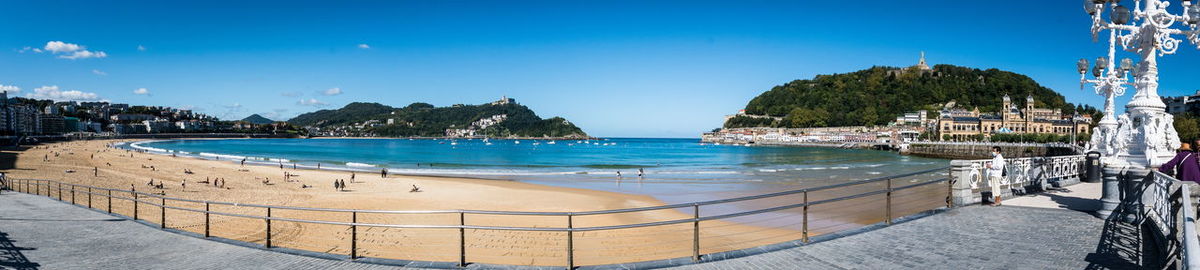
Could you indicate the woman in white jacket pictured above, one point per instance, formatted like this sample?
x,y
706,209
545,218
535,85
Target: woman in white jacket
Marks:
x,y
995,172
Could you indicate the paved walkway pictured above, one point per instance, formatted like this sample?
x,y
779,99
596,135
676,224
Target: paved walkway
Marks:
x,y
976,237
1080,197
41,233
37,232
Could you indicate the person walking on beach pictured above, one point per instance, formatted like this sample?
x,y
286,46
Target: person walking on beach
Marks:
x,y
618,174
641,172
243,162
1185,165
995,174
351,177
383,173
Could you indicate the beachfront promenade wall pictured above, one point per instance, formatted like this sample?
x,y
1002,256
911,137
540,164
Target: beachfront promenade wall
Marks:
x,y
977,150
1020,176
698,231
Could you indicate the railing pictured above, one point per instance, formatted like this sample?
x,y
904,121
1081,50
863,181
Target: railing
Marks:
x,y
728,226
1021,175
990,144
1166,205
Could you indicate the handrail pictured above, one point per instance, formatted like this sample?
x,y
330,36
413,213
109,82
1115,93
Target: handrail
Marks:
x,y
493,212
626,210
1191,244
148,199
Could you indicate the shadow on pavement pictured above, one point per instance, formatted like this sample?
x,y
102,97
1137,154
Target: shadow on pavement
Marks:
x,y
1074,203
8,156
11,256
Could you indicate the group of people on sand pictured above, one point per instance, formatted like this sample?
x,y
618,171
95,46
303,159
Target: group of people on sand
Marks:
x,y
1186,164
218,182
339,185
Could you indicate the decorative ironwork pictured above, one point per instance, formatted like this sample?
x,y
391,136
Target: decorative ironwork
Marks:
x,y
1023,173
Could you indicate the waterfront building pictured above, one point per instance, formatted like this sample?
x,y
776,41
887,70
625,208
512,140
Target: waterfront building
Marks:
x,y
958,124
917,118
1183,104
52,124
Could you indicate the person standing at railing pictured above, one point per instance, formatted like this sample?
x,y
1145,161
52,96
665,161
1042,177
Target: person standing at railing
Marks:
x,y
1186,164
996,174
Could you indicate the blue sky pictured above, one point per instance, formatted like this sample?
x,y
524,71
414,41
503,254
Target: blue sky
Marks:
x,y
615,68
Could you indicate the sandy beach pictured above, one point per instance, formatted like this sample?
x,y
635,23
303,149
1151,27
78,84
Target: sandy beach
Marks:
x,y
124,169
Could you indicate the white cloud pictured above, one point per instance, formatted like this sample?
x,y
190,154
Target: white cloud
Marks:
x,y
141,91
29,49
311,102
11,89
83,54
364,46
62,47
98,72
71,51
52,92
141,48
332,91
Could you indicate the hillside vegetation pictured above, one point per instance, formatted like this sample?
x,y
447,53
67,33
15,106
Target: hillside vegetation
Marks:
x,y
423,119
877,95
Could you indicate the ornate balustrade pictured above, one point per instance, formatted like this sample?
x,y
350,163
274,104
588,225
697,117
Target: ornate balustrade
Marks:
x,y
1165,209
1020,176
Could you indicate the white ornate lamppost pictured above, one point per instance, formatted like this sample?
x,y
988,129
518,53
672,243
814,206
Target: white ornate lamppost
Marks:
x,y
1145,136
1109,82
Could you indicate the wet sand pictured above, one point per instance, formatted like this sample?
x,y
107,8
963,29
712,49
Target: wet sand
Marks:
x,y
123,169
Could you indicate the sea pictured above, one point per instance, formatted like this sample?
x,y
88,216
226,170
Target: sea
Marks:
x,y
672,170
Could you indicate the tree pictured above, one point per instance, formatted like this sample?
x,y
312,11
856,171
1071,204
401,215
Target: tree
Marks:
x,y
1187,127
801,117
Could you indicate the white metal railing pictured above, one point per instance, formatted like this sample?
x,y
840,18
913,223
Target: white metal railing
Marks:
x,y
1166,204
1023,172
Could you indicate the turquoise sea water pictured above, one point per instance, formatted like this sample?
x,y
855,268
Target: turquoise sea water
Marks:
x,y
675,169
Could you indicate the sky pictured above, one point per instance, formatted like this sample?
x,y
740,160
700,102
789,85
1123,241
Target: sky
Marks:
x,y
614,68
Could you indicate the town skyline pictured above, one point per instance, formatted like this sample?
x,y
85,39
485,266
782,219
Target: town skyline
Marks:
x,y
661,70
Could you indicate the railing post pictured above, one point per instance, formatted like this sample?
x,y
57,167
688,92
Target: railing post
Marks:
x,y
353,235
950,189
462,239
804,225
570,242
206,235
696,232
162,218
73,194
268,219
888,214
135,204
109,205
60,191
89,193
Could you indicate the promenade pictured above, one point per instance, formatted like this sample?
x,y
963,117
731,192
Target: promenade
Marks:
x,y
42,233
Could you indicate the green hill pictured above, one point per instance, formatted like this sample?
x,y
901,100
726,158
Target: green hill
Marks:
x,y
257,119
877,95
423,119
